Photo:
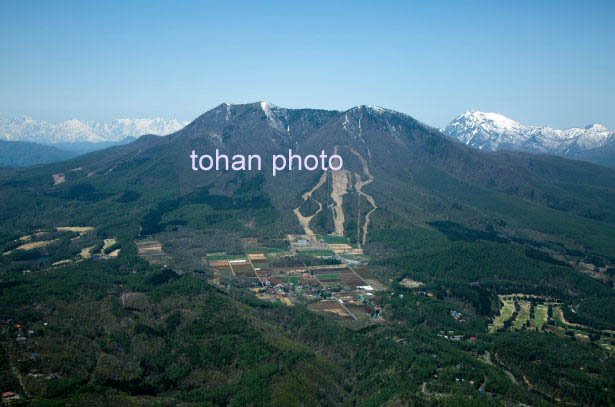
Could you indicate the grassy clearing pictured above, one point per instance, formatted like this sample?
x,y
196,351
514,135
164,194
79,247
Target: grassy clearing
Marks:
x,y
410,283
34,245
267,250
558,315
292,279
541,315
316,253
354,257
335,239
523,316
505,314
556,323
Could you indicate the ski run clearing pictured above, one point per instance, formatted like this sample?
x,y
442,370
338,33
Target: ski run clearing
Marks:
x,y
342,184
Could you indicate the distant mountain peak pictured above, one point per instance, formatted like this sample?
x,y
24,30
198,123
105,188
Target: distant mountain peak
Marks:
x,y
495,119
75,130
494,131
596,127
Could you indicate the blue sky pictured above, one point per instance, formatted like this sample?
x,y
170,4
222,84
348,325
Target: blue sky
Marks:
x,y
538,62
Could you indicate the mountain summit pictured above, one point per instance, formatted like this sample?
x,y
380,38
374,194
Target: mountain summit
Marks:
x,y
493,132
176,282
396,170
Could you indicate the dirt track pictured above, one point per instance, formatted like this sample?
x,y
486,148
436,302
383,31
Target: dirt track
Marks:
x,y
359,186
305,220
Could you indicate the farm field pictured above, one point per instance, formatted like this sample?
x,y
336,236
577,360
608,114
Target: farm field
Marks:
x,y
317,253
151,250
330,306
309,272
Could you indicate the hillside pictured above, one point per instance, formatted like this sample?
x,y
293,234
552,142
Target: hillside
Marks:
x,y
425,272
23,153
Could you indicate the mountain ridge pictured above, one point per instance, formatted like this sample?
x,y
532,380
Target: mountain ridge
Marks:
x,y
494,132
411,162
25,128
24,153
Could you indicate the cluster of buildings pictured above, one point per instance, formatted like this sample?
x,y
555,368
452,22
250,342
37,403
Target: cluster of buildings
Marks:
x,y
456,314
10,398
309,270
451,336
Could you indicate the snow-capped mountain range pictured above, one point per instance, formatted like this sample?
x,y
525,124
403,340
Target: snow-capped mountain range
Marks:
x,y
485,131
493,131
79,131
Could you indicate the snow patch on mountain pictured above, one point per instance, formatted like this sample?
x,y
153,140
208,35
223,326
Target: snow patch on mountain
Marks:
x,y
73,131
275,115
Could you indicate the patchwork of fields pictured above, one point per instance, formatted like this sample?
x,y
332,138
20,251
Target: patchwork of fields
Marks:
x,y
311,270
